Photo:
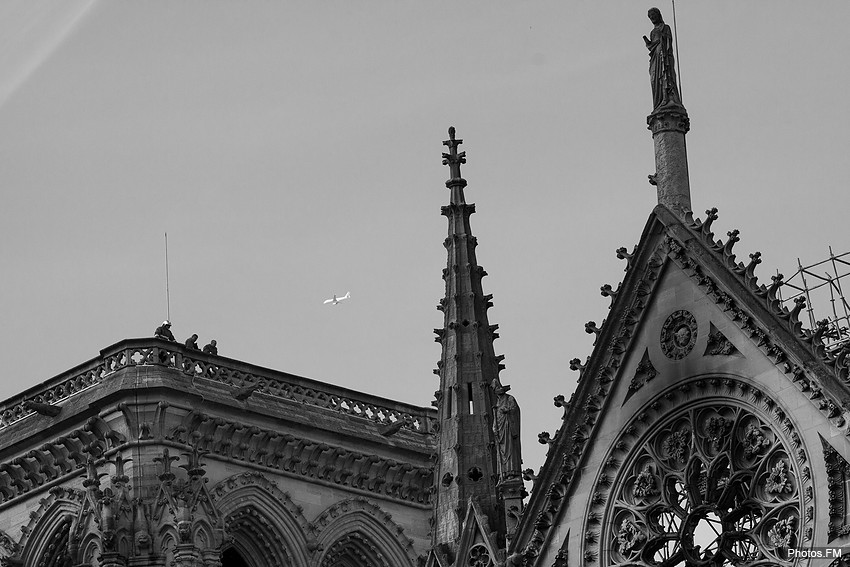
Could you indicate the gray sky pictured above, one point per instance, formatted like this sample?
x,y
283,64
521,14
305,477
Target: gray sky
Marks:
x,y
291,150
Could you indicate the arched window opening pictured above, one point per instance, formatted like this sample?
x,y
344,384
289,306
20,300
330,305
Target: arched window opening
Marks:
x,y
231,558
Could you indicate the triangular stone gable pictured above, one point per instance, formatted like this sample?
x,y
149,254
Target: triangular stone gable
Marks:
x,y
685,308
477,545
476,540
437,558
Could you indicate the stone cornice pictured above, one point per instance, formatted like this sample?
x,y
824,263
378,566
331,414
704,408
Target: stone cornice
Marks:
x,y
65,457
299,457
56,461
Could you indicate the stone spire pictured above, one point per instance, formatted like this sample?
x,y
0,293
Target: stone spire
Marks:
x,y
668,122
467,462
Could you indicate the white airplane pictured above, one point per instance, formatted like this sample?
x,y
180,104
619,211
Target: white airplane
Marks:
x,y
336,299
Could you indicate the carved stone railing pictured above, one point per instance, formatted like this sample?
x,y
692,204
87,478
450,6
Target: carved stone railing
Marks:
x,y
157,352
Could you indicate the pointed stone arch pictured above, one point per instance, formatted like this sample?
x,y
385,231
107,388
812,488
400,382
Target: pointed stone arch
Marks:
x,y
264,524
45,540
477,544
167,541
205,535
90,549
358,533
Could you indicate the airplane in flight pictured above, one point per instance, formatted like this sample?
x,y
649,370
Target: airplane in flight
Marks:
x,y
336,299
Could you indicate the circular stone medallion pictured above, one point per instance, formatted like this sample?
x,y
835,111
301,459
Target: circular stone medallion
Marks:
x,y
678,335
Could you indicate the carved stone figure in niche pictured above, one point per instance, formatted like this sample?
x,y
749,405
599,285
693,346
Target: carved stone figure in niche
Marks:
x,y
184,531
662,73
506,428
107,520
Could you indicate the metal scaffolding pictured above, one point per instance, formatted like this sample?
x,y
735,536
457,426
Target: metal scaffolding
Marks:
x,y
820,287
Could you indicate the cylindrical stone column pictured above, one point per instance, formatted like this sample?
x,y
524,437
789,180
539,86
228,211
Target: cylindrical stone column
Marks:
x,y
187,555
212,558
669,126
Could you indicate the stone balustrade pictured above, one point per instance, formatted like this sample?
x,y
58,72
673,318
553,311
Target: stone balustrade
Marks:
x,y
236,374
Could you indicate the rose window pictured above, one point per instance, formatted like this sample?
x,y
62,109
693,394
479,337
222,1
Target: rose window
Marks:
x,y
713,486
479,556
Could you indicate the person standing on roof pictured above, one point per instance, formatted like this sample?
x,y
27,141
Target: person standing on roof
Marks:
x,y
192,342
164,331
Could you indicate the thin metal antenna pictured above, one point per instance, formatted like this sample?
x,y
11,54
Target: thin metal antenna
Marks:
x,y
678,61
167,292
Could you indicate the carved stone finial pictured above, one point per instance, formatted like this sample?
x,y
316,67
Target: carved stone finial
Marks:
x,y
118,463
821,329
734,236
561,402
454,159
608,291
799,305
92,476
194,467
166,461
755,260
623,254
544,438
710,216
774,287
575,364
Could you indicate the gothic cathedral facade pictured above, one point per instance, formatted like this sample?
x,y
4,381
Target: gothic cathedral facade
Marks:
x,y
708,428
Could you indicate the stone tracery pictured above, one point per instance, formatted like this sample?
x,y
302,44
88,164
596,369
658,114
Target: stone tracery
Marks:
x,y
728,493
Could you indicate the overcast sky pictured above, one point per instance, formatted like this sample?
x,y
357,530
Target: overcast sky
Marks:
x,y
292,150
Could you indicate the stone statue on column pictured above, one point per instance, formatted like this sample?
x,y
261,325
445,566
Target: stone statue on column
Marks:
x,y
506,429
662,71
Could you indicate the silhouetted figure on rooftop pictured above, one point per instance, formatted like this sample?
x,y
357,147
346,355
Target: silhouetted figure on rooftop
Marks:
x,y
211,348
192,342
164,332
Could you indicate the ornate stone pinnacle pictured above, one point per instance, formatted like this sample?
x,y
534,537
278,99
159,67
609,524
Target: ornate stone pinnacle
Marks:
x,y
454,160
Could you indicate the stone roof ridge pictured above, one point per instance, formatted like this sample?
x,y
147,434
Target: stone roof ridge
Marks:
x,y
836,360
553,483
